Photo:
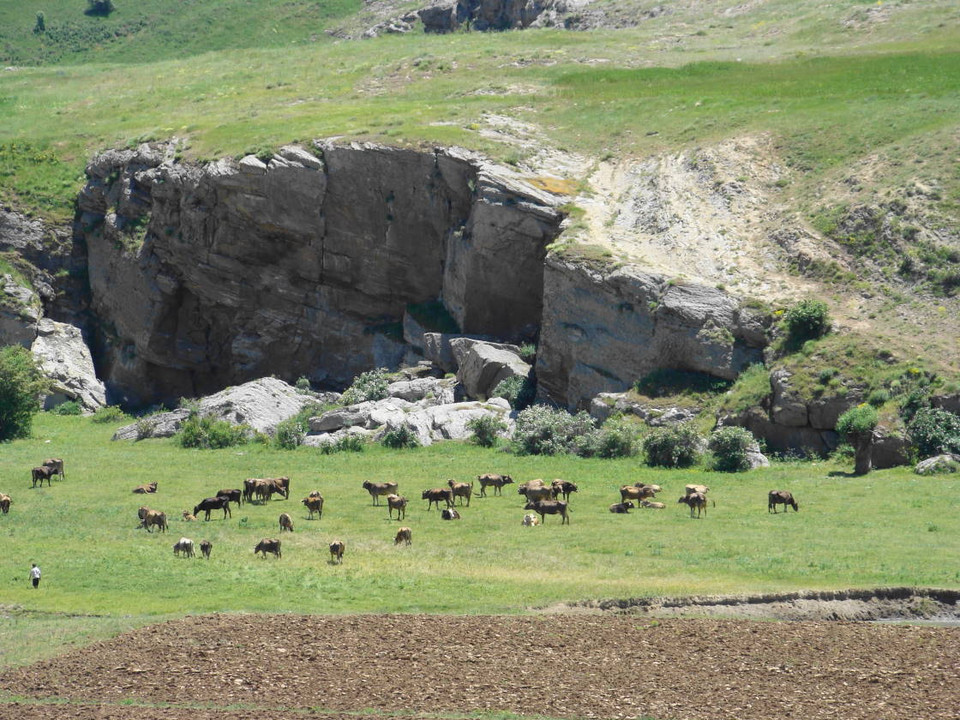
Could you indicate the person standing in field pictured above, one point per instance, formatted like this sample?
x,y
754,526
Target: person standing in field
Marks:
x,y
35,575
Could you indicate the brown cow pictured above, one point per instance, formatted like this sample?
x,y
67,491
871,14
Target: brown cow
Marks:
x,y
205,548
153,517
781,497
378,489
280,485
398,503
651,505
187,517
336,551
695,500
314,504
549,507
564,488
496,481
5,503
632,492
147,489
286,522
232,494
461,490
435,495
543,492
268,545
404,535
41,473
56,465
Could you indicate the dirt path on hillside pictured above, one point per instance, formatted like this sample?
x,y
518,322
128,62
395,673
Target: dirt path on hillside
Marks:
x,y
233,667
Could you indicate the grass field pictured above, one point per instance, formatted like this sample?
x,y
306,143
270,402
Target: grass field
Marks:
x,y
889,528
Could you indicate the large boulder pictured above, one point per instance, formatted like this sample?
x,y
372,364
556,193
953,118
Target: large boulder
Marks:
x,y
19,312
260,404
65,359
482,365
939,465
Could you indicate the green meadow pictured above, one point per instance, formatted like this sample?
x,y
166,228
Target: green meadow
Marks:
x,y
101,573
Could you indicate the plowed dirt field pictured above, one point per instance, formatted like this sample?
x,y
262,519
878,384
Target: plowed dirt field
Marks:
x,y
241,667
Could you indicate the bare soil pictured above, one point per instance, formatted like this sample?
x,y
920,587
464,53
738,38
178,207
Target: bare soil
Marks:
x,y
234,667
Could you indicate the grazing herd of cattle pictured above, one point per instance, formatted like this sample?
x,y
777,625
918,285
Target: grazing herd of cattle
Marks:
x,y
541,498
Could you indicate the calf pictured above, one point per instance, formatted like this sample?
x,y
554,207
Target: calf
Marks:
x,y
549,507
404,535
495,481
781,497
314,504
147,489
435,495
530,520
268,545
695,500
286,522
398,503
336,551
449,514
622,508
184,546
187,517
5,503
378,489
213,503
205,548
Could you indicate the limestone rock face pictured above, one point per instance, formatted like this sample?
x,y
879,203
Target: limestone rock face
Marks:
x,y
300,265
604,405
484,15
262,404
428,422
19,313
481,366
939,465
602,330
64,358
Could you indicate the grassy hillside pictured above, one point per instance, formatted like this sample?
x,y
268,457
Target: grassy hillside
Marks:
x,y
890,528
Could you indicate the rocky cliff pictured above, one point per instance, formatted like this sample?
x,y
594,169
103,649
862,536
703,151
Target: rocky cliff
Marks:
x,y
300,264
604,328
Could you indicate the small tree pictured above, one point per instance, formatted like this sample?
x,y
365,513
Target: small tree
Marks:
x,y
807,320
371,385
41,25
20,385
486,429
934,431
400,437
99,7
730,446
856,426
675,446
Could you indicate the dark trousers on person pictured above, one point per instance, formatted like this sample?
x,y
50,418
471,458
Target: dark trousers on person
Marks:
x,y
36,582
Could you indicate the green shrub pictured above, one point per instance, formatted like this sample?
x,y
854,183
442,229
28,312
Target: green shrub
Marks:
x,y
528,352
109,414
616,438
934,431
68,407
207,433
346,443
675,446
913,402
289,435
486,429
541,430
519,391
399,438
371,385
99,7
303,385
20,384
729,446
879,397
807,320
859,420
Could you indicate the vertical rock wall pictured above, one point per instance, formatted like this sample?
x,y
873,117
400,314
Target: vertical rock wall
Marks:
x,y
206,276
